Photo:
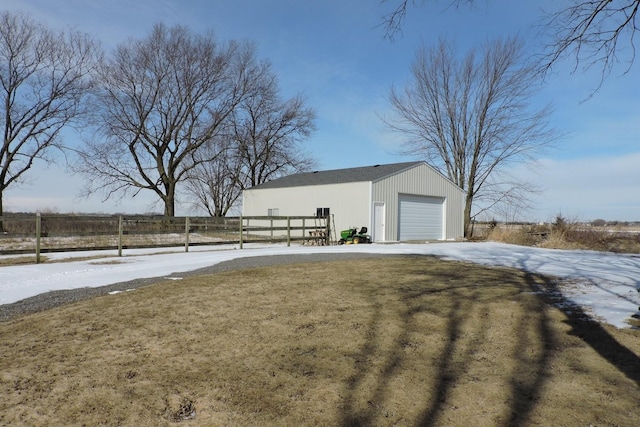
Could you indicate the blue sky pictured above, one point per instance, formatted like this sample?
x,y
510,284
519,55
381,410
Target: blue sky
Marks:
x,y
334,52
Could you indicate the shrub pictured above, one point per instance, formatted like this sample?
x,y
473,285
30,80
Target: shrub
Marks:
x,y
567,234
524,236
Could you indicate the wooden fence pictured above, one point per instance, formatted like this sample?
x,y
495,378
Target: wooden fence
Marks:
x,y
42,233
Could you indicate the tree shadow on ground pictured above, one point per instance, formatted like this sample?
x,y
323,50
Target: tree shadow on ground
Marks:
x,y
466,311
525,393
593,333
589,330
533,341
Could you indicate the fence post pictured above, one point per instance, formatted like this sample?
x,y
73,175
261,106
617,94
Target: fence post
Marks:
x,y
241,221
186,234
327,238
38,235
120,233
288,231
304,230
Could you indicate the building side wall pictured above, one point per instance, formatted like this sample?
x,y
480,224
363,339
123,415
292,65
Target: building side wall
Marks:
x,y
423,181
349,203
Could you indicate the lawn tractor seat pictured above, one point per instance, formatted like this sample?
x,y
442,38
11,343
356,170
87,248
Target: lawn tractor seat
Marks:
x,y
363,230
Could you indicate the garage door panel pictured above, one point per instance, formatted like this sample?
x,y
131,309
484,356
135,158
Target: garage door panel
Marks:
x,y
421,217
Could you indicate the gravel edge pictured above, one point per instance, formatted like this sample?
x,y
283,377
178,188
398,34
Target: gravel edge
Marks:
x,y
53,299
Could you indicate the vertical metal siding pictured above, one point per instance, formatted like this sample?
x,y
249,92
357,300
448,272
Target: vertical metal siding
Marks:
x,y
424,181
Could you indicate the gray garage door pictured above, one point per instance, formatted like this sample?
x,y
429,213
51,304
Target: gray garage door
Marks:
x,y
421,217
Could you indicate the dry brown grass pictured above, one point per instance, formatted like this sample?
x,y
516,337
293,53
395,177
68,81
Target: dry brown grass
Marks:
x,y
570,238
396,341
31,259
20,260
514,236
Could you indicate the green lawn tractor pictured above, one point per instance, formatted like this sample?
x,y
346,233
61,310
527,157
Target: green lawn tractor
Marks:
x,y
353,236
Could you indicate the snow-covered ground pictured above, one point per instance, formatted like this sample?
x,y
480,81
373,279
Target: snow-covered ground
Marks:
x,y
606,285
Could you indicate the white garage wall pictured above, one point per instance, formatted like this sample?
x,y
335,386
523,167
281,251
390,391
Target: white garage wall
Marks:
x,y
349,203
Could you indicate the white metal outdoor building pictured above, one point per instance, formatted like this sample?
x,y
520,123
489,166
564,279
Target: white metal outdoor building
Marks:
x,y
396,202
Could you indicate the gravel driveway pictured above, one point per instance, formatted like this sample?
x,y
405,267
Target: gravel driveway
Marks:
x,y
58,298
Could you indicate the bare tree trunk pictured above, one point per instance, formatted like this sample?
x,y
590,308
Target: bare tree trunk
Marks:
x,y
169,206
2,230
468,203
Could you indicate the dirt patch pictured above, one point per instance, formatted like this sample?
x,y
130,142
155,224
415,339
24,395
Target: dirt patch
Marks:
x,y
399,340
19,260
109,262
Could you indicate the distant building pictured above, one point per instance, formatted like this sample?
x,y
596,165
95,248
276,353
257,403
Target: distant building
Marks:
x,y
397,202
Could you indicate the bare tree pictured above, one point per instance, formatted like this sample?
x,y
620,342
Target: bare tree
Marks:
x,y
162,99
267,132
471,118
588,30
215,184
44,77
263,142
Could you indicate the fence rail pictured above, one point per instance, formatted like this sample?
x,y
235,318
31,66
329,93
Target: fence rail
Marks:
x,y
42,233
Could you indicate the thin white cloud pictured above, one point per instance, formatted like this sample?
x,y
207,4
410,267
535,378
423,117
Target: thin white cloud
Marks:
x,y
587,188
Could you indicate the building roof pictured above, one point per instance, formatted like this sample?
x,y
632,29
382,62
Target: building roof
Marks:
x,y
339,176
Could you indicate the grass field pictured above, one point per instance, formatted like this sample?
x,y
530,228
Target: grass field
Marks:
x,y
400,340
